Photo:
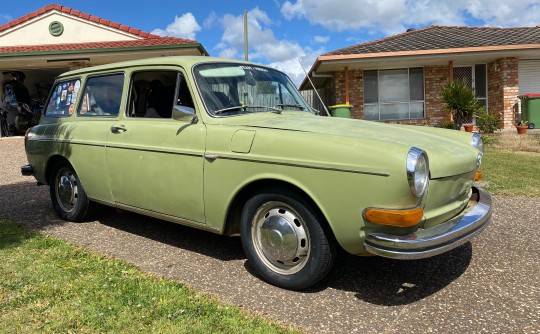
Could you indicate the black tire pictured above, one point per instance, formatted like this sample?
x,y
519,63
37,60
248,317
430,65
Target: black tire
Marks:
x,y
68,197
531,125
285,241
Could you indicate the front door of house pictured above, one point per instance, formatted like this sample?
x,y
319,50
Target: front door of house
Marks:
x,y
476,78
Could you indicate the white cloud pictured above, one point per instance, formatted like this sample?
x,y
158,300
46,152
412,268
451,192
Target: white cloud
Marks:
x,y
506,14
184,26
394,16
210,21
290,10
264,46
292,66
6,17
321,39
229,53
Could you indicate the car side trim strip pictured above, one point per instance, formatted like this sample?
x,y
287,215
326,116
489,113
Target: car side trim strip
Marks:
x,y
73,142
288,164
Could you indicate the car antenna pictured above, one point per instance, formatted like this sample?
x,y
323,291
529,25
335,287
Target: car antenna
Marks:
x,y
313,86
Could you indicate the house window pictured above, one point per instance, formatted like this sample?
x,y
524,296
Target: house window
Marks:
x,y
394,94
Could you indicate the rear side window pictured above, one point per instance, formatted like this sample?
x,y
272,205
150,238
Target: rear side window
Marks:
x,y
102,96
63,98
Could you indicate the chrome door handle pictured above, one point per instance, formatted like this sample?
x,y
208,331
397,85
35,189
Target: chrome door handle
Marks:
x,y
119,128
210,156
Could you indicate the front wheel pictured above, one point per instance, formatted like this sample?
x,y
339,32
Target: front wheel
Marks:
x,y
67,194
285,241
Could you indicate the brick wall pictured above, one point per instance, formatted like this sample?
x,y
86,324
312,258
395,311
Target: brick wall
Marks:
x,y
503,89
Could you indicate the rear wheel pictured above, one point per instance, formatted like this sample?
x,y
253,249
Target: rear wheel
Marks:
x,y
284,240
67,194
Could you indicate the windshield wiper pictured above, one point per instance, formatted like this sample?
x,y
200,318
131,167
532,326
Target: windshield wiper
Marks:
x,y
290,105
244,107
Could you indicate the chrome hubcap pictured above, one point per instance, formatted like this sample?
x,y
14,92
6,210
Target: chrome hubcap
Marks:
x,y
66,190
281,238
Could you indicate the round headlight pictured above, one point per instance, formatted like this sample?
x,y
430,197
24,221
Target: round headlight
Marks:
x,y
417,171
477,142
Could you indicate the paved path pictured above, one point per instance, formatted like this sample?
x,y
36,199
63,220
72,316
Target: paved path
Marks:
x,y
491,285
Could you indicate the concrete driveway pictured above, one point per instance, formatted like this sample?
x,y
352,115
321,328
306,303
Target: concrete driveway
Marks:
x,y
491,285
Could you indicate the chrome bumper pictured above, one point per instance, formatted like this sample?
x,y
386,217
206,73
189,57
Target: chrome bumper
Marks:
x,y
437,239
27,170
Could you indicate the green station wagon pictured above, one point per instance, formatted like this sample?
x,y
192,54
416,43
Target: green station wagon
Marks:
x,y
232,148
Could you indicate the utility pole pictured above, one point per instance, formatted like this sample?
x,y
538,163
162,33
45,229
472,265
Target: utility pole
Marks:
x,y
245,36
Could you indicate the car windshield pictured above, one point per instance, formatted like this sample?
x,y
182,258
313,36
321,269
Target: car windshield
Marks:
x,y
234,89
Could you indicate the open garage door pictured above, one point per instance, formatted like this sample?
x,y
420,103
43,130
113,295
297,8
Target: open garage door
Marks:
x,y
30,86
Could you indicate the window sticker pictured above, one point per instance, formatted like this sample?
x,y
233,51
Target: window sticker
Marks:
x,y
63,99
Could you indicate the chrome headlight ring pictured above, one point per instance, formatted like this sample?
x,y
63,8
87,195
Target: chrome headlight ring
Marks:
x,y
477,142
417,171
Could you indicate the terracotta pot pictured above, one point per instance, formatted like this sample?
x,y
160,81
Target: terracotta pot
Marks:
x,y
468,127
522,129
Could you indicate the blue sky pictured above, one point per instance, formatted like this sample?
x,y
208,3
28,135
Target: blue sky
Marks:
x,y
283,32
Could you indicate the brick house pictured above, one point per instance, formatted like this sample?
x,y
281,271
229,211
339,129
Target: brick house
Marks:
x,y
399,79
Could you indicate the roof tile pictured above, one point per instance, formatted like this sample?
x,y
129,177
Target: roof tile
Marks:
x,y
80,14
439,37
94,18
147,42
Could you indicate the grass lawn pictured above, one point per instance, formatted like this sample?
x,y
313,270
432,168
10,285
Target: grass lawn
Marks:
x,y
511,164
50,286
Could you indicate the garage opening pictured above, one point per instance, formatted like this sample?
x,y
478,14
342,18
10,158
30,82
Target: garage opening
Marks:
x,y
23,95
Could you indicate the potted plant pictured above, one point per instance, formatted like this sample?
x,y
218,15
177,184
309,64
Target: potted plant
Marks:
x,y
522,127
459,99
468,127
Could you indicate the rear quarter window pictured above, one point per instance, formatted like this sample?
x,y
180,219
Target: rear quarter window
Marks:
x,y
63,98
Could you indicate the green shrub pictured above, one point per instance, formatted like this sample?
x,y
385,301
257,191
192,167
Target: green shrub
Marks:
x,y
487,122
447,124
458,97
489,140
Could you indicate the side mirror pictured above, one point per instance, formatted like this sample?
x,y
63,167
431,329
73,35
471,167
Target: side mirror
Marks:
x,y
181,112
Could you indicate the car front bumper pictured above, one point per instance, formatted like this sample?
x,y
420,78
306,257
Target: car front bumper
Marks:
x,y
437,239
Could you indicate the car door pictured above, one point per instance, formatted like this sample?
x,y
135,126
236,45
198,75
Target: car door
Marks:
x,y
156,162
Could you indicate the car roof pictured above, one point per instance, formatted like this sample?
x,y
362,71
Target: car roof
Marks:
x,y
185,61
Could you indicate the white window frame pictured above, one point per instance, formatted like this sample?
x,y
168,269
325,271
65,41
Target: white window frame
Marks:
x,y
379,104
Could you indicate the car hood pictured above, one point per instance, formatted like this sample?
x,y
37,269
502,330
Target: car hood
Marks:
x,y
449,151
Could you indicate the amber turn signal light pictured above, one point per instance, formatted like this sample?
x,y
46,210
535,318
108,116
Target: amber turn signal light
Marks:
x,y
478,176
400,218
